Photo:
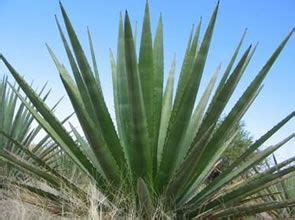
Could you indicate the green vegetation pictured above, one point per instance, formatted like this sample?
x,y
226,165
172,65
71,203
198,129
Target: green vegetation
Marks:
x,y
19,141
155,160
240,143
281,191
15,121
16,126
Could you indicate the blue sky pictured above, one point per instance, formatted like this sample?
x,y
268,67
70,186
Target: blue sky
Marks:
x,y
27,25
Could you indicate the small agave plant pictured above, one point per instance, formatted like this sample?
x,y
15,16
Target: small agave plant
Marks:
x,y
18,133
16,122
21,140
162,146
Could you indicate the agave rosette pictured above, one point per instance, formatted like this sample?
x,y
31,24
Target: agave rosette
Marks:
x,y
161,145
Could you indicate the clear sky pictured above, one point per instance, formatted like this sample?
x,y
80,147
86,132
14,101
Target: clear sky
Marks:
x,y
27,25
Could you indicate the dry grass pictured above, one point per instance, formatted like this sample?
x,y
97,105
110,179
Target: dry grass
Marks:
x,y
14,209
16,204
19,204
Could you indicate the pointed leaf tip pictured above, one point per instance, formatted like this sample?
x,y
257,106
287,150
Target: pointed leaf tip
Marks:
x,y
244,33
126,14
290,34
249,48
56,20
256,44
199,24
60,5
147,9
215,12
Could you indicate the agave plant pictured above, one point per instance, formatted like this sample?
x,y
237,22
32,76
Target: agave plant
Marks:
x,y
16,125
161,147
20,139
276,193
15,120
